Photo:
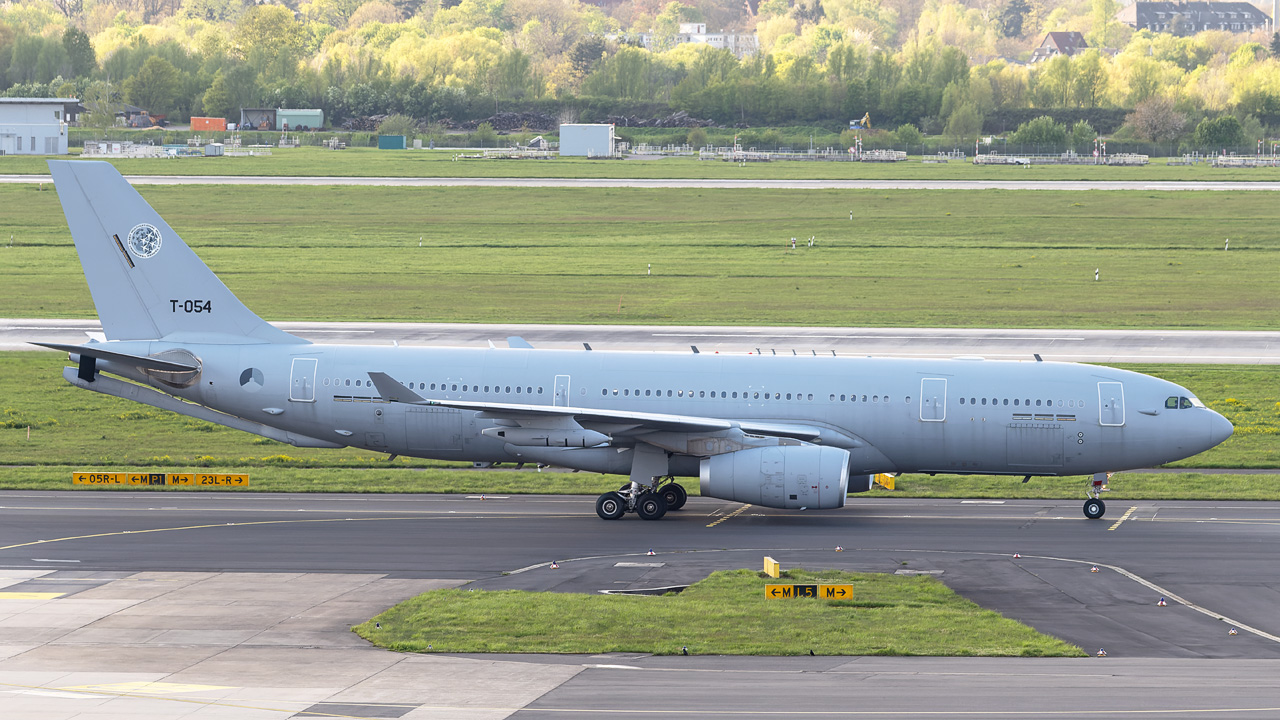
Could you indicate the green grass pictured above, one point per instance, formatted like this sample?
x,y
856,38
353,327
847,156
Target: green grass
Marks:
x,y
73,429
726,614
914,259
371,162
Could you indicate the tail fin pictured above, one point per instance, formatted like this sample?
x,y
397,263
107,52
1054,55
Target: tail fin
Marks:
x,y
146,283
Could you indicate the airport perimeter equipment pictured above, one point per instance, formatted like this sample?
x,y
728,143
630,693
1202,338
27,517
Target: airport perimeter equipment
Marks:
x,y
595,140
391,142
34,126
299,119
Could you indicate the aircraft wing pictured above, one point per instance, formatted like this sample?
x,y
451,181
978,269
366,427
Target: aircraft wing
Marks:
x,y
391,390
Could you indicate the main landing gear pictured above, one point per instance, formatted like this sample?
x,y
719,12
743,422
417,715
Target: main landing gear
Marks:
x,y
1094,508
649,502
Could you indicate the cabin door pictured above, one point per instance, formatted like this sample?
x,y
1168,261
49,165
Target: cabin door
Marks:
x,y
1111,404
561,396
302,383
933,399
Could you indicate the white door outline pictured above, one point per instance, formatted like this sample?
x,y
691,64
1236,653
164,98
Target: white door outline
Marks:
x,y
302,380
1110,404
560,398
933,400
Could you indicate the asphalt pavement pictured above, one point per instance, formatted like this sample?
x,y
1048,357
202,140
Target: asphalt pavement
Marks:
x,y
167,583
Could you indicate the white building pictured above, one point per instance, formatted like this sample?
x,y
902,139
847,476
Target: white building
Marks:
x,y
586,140
740,44
34,126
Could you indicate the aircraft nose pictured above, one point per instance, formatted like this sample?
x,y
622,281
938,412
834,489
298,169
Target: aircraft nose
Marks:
x,y
1220,428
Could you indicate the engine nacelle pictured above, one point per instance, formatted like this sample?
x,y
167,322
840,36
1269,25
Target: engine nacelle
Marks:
x,y
788,476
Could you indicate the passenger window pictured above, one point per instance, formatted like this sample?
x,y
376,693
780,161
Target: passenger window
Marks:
x,y
455,387
810,396
668,393
615,391
703,393
1186,403
626,393
603,391
961,401
832,398
1006,401
864,398
735,395
1037,403
1015,402
646,393
757,395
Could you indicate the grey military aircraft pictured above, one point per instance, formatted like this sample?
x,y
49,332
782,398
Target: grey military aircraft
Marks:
x,y
780,431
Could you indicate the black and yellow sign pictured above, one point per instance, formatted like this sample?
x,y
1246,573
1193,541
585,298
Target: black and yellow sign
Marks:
x,y
188,479
790,592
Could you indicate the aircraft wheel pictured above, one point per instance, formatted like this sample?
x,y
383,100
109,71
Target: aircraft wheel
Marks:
x,y
1094,508
674,494
610,506
651,506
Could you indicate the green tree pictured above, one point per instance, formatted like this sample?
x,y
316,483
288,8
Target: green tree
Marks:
x,y
1082,137
484,136
1089,85
399,125
101,101
268,34
1042,131
1010,17
1275,44
697,138
155,87
79,51
1219,133
964,124
217,100
908,135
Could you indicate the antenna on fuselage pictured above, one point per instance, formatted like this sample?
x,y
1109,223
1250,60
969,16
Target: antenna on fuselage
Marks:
x,y
1037,357
586,345
695,349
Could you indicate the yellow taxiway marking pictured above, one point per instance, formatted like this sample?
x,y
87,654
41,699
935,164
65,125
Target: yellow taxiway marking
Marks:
x,y
29,595
1123,517
732,514
148,688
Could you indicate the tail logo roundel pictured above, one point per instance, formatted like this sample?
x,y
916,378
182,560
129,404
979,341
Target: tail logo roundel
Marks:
x,y
144,240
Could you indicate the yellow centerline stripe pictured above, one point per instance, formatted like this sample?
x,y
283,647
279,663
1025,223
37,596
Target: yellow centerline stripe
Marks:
x,y
1123,518
726,517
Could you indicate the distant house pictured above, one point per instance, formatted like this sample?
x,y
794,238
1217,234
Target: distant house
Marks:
x,y
1059,43
1187,18
740,44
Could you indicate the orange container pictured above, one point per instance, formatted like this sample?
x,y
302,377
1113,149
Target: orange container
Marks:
x,y
207,123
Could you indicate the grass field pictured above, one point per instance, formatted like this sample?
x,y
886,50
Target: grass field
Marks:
x,y
72,429
725,614
915,259
371,162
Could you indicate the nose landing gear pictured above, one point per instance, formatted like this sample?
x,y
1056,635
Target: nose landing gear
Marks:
x,y
1094,508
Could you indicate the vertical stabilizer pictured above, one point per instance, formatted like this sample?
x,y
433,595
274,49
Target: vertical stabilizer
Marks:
x,y
146,283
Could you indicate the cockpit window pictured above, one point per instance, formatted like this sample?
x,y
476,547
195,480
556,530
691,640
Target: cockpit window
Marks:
x,y
1192,402
1171,403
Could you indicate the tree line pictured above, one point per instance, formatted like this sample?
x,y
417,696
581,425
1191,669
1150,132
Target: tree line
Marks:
x,y
943,68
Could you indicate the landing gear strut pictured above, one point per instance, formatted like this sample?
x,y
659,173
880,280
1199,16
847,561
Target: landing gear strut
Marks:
x,y
650,502
1094,508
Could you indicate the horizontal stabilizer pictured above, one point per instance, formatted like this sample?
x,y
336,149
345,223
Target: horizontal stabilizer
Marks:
x,y
141,361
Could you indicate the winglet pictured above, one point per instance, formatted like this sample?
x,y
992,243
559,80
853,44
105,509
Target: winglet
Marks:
x,y
392,391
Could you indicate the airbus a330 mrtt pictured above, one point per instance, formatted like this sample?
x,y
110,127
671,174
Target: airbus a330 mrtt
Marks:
x,y
778,431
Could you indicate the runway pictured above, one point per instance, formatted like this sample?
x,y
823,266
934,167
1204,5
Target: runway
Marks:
x,y
690,183
227,593
1103,346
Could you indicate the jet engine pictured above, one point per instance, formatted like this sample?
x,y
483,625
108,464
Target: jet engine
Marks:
x,y
788,476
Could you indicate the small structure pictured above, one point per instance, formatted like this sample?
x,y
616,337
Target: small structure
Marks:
x,y
1188,18
391,142
209,124
299,119
257,118
34,126
1059,43
594,140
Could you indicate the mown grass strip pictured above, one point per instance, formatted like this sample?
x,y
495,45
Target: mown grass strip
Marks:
x,y
908,259
726,614
370,162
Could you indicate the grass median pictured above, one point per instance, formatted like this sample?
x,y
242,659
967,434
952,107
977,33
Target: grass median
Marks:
x,y
726,614
371,162
566,255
